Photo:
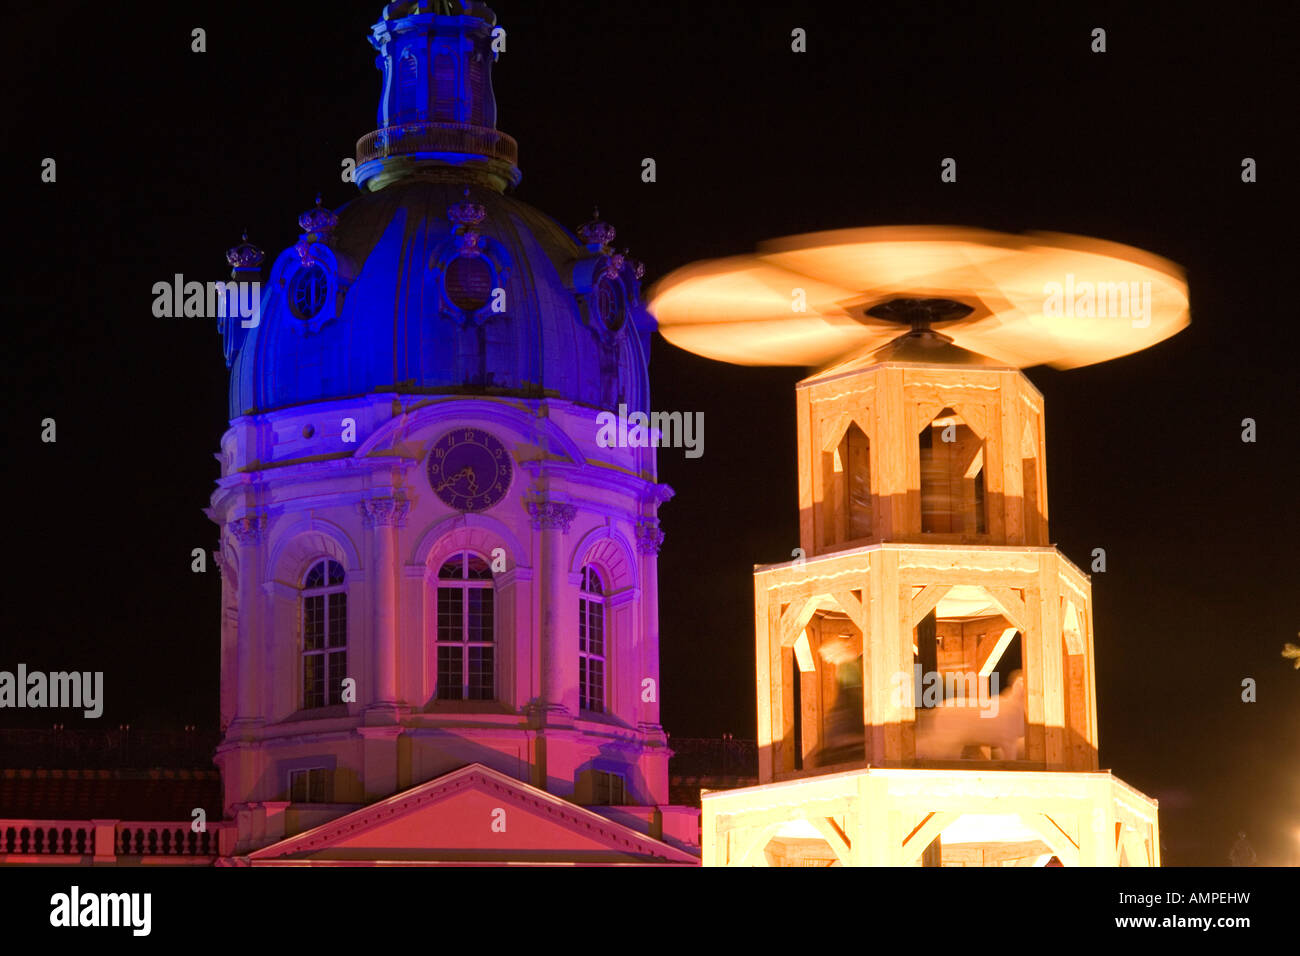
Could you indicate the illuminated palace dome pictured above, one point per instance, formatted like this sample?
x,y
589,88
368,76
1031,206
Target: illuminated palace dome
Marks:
x,y
434,281
439,582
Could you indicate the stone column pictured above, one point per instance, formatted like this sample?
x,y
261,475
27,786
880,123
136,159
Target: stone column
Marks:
x,y
649,539
249,531
552,519
384,515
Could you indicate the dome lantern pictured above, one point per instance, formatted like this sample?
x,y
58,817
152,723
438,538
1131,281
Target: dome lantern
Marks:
x,y
437,110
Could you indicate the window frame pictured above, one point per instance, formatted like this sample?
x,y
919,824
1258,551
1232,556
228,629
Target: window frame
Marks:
x,y
608,777
464,585
332,693
592,607
306,772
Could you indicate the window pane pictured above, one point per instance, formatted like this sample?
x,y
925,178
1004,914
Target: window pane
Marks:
x,y
335,573
338,620
596,685
313,680
338,669
313,622
298,786
450,673
316,780
316,576
583,698
582,626
596,630
480,615
479,569
453,568
482,685
450,618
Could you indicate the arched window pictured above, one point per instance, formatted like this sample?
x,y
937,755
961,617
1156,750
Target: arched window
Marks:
x,y
848,488
324,634
466,629
591,642
952,477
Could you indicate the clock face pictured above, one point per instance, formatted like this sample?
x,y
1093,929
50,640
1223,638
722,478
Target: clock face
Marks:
x,y
469,469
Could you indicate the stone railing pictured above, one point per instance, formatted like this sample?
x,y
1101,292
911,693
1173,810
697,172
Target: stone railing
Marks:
x,y
437,138
109,841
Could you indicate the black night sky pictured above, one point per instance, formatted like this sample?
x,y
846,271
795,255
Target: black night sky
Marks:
x,y
165,155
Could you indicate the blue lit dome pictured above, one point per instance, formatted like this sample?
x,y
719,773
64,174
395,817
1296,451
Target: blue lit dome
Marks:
x,y
433,280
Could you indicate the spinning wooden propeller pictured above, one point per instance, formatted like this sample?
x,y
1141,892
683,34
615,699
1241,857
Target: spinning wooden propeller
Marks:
x,y
923,294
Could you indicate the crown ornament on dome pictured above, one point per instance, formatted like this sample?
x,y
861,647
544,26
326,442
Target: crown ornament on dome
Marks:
x,y
466,212
318,222
614,265
245,255
595,233
636,265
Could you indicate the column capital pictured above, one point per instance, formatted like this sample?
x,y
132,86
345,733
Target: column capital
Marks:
x,y
649,536
248,529
384,511
551,514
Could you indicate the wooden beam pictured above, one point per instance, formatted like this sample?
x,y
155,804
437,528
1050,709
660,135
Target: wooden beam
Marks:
x,y
1070,625
757,840
795,619
927,600
914,843
1066,850
1011,603
1139,851
836,837
853,608
991,649
803,653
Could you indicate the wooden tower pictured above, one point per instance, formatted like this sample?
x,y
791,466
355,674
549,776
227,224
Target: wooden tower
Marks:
x,y
923,522
925,671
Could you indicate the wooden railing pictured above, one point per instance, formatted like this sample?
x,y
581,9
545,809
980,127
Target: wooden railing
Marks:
x,y
107,841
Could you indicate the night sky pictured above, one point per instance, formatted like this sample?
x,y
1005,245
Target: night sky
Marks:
x,y
165,155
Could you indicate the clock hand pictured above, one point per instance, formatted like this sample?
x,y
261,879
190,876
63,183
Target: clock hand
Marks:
x,y
465,472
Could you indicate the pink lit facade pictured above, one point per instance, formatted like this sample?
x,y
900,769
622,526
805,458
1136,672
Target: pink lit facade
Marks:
x,y
571,507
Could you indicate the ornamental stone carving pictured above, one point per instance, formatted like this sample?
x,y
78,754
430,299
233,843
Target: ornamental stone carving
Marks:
x,y
649,537
384,511
249,529
551,514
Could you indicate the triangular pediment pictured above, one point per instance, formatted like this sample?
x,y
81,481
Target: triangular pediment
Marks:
x,y
473,815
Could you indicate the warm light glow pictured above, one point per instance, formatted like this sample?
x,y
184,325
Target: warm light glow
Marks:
x,y
966,601
747,310
989,828
995,655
